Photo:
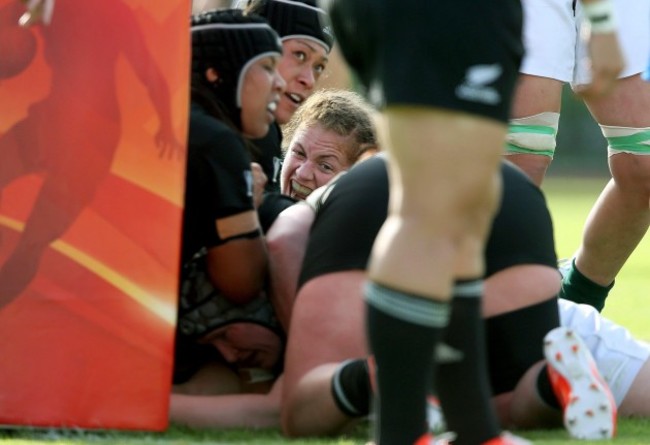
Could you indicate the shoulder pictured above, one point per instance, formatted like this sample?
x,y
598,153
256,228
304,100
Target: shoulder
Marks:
x,y
367,178
274,135
272,142
206,129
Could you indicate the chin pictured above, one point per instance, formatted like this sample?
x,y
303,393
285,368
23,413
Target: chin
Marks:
x,y
256,133
282,116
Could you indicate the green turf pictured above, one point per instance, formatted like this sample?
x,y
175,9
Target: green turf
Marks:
x,y
630,432
570,201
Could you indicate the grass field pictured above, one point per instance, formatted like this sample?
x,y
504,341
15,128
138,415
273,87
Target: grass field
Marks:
x,y
570,201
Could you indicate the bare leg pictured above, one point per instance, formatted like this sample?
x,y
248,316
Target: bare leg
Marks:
x,y
615,226
316,346
526,409
635,402
443,193
439,205
620,217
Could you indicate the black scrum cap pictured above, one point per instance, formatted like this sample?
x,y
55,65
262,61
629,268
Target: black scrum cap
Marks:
x,y
297,19
230,42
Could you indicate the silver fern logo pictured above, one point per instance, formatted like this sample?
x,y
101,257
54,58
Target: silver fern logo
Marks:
x,y
475,86
248,177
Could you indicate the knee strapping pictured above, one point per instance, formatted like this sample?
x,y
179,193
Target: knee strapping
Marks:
x,y
533,134
627,140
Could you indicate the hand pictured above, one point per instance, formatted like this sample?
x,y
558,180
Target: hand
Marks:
x,y
167,144
259,182
606,65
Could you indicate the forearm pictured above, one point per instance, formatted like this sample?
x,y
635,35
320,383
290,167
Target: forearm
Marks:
x,y
228,411
239,268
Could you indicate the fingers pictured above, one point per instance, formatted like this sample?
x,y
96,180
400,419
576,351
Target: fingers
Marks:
x,y
259,182
258,174
607,63
173,150
169,147
601,85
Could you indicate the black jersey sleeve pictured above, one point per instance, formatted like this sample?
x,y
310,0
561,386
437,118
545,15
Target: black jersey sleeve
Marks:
x,y
218,180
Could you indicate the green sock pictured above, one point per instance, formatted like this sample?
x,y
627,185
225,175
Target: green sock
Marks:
x,y
580,289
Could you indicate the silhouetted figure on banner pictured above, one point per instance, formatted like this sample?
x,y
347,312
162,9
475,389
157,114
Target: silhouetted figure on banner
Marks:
x,y
70,136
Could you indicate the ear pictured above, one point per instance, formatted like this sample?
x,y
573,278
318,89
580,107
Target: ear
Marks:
x,y
212,75
367,151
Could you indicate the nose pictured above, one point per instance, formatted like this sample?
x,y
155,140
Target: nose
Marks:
x,y
305,170
307,77
280,84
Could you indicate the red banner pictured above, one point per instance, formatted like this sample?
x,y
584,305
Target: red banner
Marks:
x,y
93,118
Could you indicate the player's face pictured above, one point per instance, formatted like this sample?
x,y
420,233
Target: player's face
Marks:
x,y
246,345
315,155
262,87
302,64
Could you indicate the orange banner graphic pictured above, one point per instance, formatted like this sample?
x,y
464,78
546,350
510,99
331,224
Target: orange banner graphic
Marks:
x,y
93,123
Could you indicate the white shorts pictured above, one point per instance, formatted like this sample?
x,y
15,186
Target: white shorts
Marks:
x,y
618,355
554,48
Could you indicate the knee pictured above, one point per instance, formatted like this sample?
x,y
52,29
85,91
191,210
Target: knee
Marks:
x,y
629,156
531,141
631,173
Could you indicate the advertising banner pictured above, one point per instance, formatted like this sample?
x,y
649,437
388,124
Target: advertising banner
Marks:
x,y
93,122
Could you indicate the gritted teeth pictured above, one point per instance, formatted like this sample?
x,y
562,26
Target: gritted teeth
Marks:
x,y
300,189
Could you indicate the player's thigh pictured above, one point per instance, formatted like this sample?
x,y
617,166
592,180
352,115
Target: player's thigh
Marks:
x,y
327,324
517,287
635,402
628,105
446,161
535,95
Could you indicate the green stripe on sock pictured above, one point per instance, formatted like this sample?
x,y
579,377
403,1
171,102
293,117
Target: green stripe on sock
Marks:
x,y
411,308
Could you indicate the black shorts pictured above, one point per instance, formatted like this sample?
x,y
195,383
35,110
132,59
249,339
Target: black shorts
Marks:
x,y
345,228
456,54
515,342
344,231
522,231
